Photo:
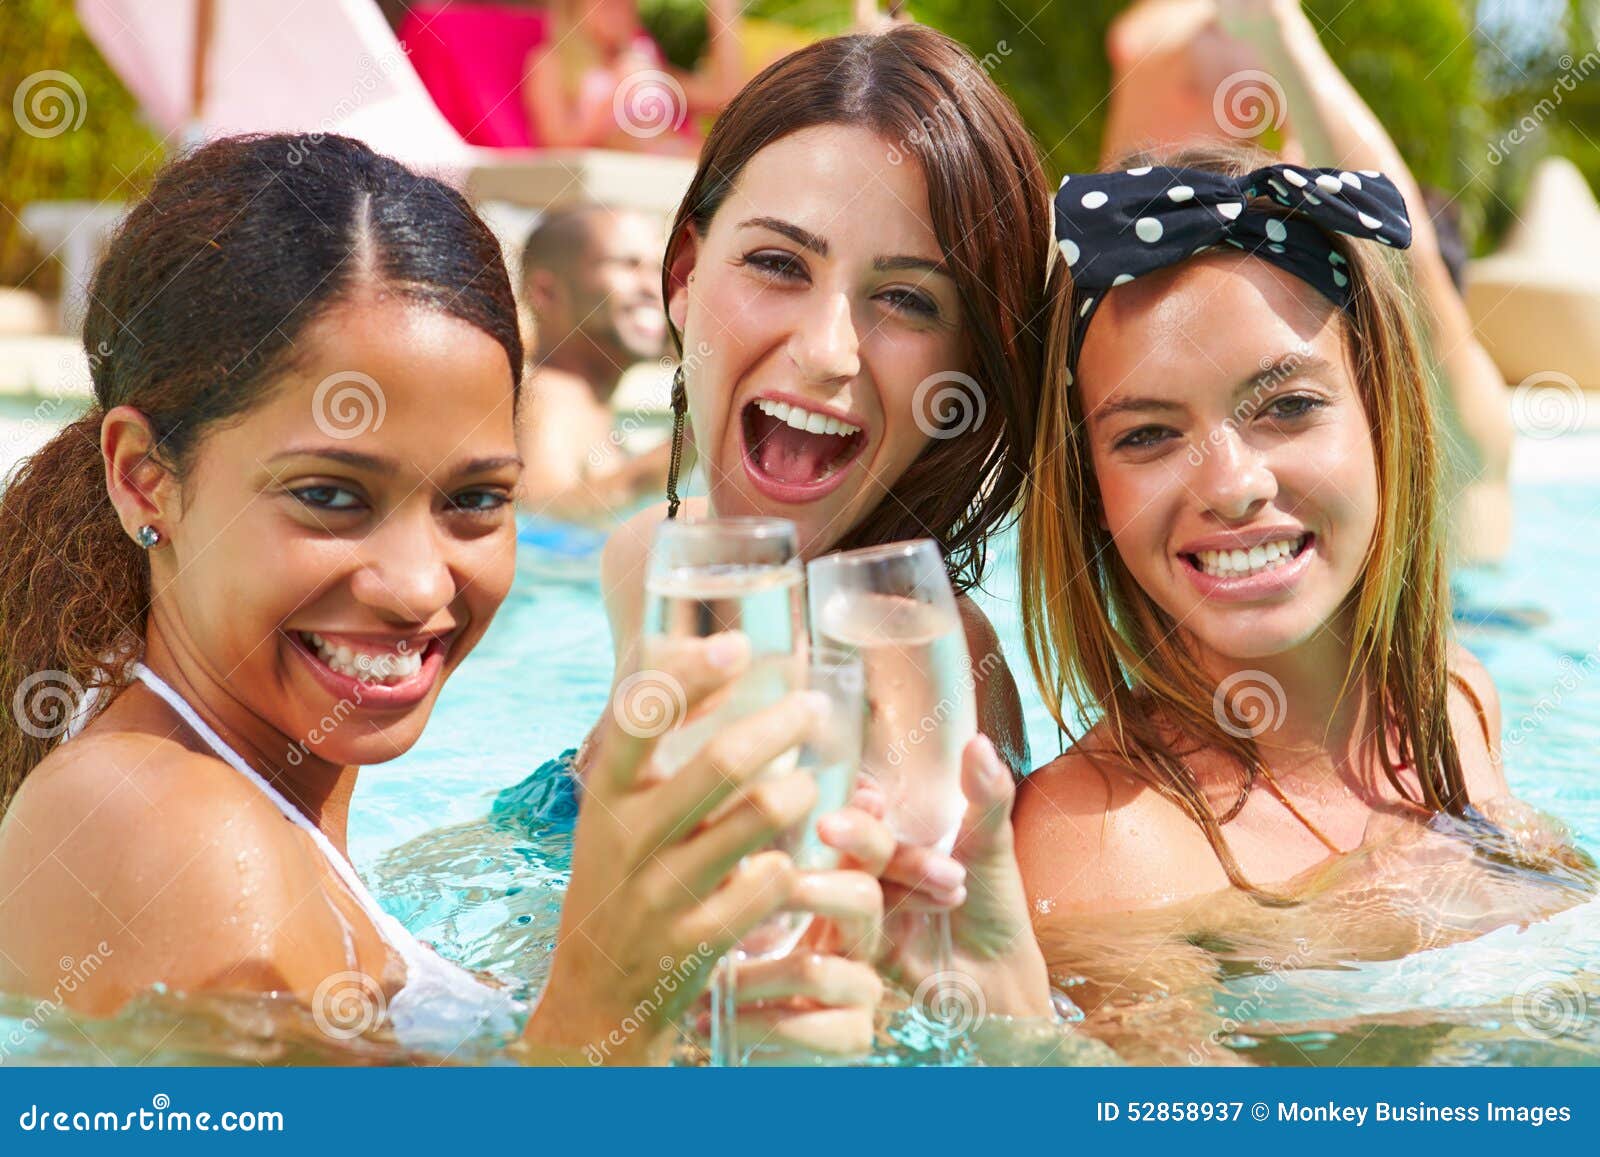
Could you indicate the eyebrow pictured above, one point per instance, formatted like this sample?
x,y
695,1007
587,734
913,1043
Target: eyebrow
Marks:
x,y
1133,405
819,245
385,466
1280,370
1284,368
801,237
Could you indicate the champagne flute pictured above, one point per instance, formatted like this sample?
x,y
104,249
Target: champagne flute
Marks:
x,y
706,576
711,575
893,605
833,757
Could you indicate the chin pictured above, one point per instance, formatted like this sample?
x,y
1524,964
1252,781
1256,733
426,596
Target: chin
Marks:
x,y
1254,636
357,743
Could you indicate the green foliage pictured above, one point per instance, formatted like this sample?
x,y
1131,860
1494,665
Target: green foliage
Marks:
x,y
1473,94
1412,60
1448,78
109,156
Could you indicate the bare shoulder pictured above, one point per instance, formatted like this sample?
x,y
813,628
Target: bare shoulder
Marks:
x,y
1092,837
164,862
1475,718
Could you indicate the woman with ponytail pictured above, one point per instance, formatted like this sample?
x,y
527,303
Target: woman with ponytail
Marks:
x,y
247,571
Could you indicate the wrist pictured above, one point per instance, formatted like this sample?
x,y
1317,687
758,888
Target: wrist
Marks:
x,y
554,1033
1017,985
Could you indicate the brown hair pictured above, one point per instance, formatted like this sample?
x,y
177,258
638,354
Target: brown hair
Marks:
x,y
990,206
203,293
1094,636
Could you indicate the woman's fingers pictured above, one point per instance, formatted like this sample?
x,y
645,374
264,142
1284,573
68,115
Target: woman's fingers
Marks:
x,y
788,1036
750,821
870,798
940,879
758,887
851,903
862,839
813,976
673,676
731,758
987,784
899,901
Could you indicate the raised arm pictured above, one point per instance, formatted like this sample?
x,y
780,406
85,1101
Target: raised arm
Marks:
x,y
1332,125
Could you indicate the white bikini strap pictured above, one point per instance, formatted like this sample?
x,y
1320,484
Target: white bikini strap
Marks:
x,y
386,923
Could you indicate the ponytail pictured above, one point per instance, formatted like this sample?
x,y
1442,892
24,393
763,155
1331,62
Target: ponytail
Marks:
x,y
73,589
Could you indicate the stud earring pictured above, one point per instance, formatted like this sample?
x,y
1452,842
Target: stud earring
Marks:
x,y
148,536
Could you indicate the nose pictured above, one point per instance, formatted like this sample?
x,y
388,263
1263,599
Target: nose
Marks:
x,y
824,347
1234,479
405,574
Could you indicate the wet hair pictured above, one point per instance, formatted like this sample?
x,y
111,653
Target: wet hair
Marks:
x,y
1099,644
932,104
198,307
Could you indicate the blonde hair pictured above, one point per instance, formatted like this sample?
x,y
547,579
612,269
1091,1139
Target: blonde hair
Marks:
x,y
1094,637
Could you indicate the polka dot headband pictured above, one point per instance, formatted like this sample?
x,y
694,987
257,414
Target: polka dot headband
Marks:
x,y
1114,227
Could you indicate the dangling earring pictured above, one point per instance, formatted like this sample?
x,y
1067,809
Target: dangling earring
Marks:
x,y
680,410
148,536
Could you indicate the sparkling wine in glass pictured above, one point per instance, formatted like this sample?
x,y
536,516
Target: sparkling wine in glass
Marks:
x,y
707,576
893,606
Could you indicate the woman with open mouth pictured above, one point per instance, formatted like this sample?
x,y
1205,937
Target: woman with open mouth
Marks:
x,y
854,281
1233,570
252,565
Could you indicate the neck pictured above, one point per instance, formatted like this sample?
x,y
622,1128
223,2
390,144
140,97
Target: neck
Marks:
x,y
600,366
1312,721
320,790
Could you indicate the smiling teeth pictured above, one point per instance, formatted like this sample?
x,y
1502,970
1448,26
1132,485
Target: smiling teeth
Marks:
x,y
387,667
808,420
1232,563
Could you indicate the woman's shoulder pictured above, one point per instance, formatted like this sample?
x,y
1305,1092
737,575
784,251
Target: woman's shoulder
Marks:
x,y
181,865
1475,720
1093,836
108,776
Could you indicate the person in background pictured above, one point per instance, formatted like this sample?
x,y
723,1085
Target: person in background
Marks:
x,y
600,82
591,277
1178,79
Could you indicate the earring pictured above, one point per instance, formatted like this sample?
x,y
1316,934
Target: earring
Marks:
x,y
148,536
680,409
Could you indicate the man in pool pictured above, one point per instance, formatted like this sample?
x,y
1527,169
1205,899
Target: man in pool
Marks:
x,y
591,276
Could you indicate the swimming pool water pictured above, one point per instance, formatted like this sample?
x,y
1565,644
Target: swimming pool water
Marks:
x,y
487,891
